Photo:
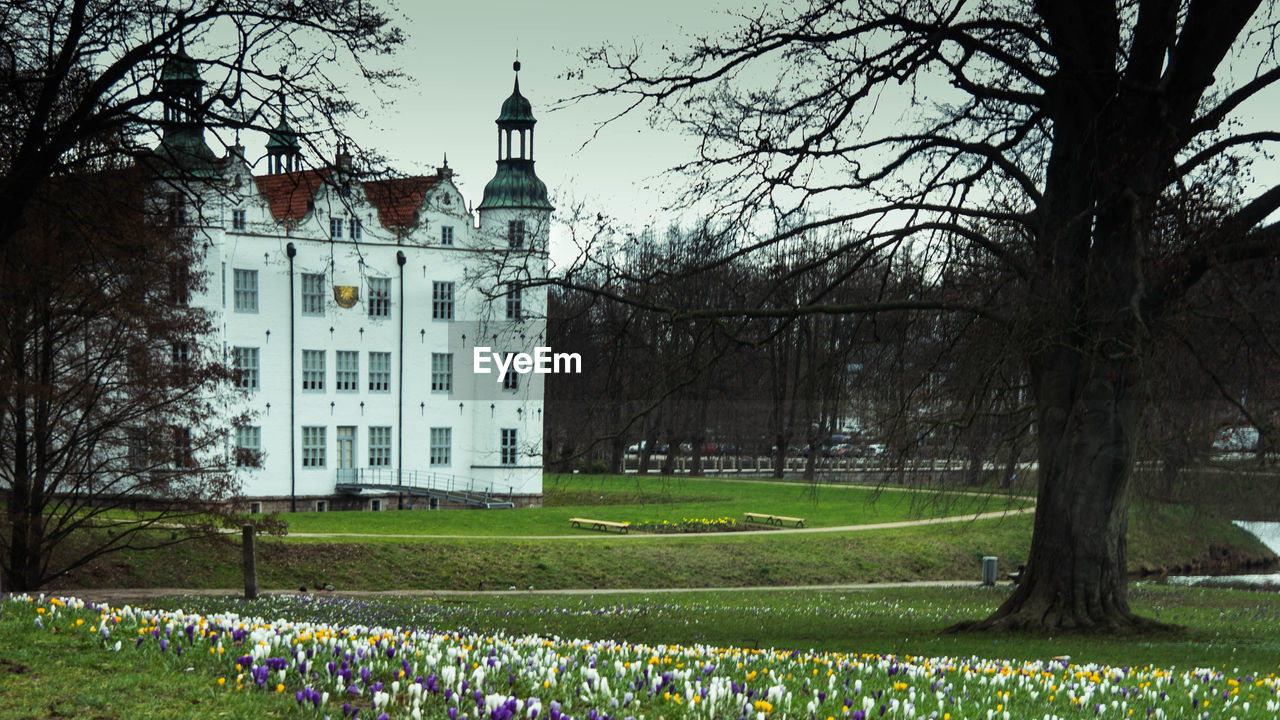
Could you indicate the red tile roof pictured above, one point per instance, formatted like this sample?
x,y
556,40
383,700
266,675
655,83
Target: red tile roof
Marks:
x,y
398,199
289,193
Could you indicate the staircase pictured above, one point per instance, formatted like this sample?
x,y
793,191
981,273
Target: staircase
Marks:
x,y
442,486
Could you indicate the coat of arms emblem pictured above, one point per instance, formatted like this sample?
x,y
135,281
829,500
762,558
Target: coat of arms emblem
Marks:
x,y
346,295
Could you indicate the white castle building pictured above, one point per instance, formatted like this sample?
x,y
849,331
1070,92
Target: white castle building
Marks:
x,y
351,309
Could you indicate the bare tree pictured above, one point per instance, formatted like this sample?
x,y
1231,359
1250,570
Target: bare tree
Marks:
x,y
1063,124
107,379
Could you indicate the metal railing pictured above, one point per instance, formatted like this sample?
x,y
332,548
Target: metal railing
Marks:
x,y
451,487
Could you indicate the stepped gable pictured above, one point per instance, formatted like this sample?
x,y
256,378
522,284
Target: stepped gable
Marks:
x,y
290,194
398,199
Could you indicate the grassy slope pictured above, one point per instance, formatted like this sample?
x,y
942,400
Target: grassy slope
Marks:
x,y
634,499
1171,537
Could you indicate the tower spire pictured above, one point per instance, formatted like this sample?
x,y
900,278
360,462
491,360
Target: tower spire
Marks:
x,y
515,185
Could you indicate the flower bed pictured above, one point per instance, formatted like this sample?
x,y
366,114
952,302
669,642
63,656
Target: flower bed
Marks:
x,y
695,525
357,671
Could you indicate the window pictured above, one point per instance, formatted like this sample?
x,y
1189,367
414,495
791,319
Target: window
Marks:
x,y
446,235
510,380
442,372
312,293
180,285
312,446
335,228
180,358
379,372
245,363
380,446
138,448
248,446
441,446
348,371
379,297
246,290
375,505
177,209
313,370
514,302
237,220
255,508
515,233
357,230
508,446
322,506
181,456
441,301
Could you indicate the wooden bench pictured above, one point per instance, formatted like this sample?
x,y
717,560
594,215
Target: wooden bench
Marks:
x,y
774,519
600,524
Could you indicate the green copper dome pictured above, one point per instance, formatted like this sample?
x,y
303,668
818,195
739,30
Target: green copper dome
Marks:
x,y
516,109
282,137
515,186
180,67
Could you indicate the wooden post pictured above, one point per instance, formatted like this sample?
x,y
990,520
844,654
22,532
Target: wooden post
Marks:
x,y
250,564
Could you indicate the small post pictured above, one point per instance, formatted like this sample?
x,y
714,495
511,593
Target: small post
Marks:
x,y
250,563
989,565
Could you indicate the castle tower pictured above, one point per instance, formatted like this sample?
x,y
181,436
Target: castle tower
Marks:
x,y
283,149
182,150
515,211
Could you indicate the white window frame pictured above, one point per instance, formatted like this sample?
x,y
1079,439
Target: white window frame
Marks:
x,y
346,366
379,297
446,235
313,294
245,293
238,219
313,446
335,227
248,440
442,372
247,362
380,446
442,298
379,372
313,371
511,378
355,229
516,234
441,441
515,302
508,446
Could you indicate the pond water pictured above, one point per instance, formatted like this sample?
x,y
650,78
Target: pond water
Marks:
x,y
1268,533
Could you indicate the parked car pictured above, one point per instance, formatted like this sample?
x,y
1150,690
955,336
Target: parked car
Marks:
x,y
1237,439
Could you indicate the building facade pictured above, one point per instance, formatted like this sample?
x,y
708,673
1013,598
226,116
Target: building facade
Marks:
x,y
351,309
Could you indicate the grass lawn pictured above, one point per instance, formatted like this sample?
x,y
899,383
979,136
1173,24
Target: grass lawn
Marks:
x,y
1165,536
637,499
1229,628
65,673
63,669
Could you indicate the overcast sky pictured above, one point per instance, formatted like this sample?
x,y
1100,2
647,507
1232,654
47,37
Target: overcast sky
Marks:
x,y
459,56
